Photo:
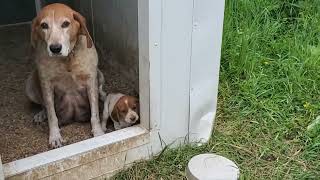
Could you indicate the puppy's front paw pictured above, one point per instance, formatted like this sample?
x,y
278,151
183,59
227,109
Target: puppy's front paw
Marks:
x,y
40,117
104,129
55,140
97,132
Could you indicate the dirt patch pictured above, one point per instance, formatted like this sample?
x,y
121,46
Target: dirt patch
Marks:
x,y
20,136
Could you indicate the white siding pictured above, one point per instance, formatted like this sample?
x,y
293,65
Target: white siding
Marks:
x,y
205,61
175,68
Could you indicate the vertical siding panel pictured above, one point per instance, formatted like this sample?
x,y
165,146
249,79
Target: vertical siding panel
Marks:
x,y
205,62
175,68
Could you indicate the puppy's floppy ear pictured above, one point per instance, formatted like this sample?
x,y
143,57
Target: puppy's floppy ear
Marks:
x,y
83,28
115,114
34,32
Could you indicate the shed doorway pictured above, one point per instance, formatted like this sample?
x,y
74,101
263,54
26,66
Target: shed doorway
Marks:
x,y
114,27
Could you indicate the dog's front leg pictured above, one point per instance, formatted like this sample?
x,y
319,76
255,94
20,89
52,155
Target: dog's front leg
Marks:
x,y
94,107
55,139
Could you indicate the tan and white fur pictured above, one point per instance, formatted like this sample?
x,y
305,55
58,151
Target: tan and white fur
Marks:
x,y
66,80
123,110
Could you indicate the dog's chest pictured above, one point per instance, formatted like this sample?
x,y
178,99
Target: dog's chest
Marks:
x,y
72,72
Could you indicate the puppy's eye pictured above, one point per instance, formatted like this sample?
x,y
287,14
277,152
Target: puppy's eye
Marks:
x,y
134,108
44,25
65,24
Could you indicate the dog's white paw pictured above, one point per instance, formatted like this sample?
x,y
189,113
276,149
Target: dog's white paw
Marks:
x,y
55,140
40,117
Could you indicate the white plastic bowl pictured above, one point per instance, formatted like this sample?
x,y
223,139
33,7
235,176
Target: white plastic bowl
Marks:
x,y
211,167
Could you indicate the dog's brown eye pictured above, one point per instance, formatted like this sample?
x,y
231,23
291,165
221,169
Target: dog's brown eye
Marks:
x,y
65,24
44,25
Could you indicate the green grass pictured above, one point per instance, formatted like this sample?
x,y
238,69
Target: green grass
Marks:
x,y
269,93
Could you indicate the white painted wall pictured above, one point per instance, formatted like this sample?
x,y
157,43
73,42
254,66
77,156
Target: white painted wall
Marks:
x,y
176,36
205,62
184,52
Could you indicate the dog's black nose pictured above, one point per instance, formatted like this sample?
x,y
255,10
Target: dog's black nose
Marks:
x,y
55,48
132,118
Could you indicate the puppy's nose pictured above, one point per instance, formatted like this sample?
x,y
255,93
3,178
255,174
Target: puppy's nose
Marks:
x,y
132,118
55,48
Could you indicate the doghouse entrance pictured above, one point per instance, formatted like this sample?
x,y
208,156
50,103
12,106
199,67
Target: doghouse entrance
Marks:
x,y
114,28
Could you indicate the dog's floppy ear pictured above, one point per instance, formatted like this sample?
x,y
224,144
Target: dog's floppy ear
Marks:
x,y
83,28
34,32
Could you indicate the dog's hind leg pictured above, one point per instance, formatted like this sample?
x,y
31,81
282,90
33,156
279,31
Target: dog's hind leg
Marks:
x,y
33,92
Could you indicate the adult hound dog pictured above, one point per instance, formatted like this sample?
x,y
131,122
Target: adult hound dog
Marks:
x,y
66,81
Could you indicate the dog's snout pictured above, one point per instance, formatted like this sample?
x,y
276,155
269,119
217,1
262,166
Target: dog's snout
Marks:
x,y
55,48
132,118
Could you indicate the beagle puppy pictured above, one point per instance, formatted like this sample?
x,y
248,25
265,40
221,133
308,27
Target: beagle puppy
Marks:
x,y
123,110
66,81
